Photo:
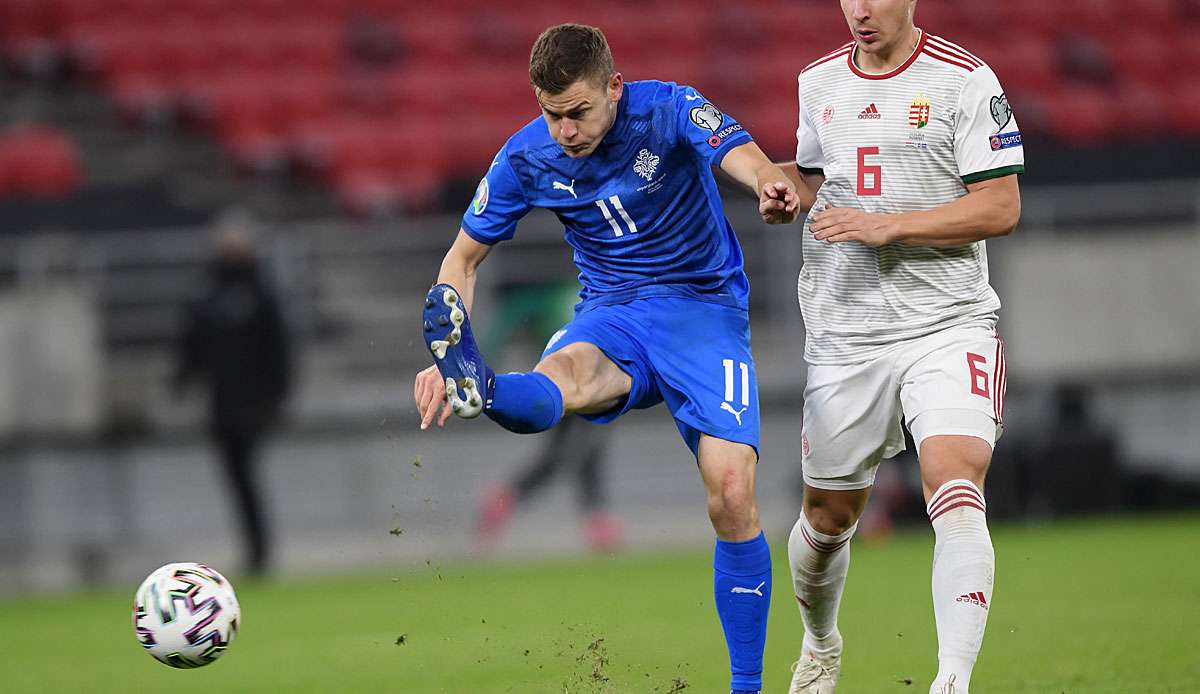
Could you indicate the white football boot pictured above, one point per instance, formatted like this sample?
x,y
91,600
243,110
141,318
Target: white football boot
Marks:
x,y
815,675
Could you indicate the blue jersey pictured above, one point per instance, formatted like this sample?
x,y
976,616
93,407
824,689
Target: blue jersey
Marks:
x,y
641,212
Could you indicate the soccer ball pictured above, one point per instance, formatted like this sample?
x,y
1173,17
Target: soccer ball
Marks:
x,y
185,614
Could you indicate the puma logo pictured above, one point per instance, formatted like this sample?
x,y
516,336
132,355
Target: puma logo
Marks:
x,y
756,591
737,414
558,185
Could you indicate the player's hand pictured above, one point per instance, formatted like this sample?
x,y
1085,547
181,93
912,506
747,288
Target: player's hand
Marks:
x,y
429,391
778,202
841,224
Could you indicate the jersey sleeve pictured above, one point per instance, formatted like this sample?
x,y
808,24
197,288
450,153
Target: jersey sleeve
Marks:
x,y
808,145
709,132
987,141
498,205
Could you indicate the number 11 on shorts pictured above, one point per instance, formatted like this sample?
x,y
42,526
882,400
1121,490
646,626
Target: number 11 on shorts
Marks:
x,y
744,368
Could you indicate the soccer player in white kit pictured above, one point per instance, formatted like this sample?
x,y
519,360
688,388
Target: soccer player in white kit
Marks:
x,y
910,146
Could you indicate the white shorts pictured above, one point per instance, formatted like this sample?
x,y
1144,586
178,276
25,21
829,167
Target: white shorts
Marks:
x,y
948,383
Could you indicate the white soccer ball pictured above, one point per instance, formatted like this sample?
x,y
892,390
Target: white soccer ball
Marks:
x,y
186,614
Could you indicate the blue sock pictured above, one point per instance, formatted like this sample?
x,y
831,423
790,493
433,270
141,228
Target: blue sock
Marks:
x,y
742,587
525,403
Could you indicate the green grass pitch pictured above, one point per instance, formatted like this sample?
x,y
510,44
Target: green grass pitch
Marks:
x,y
1087,606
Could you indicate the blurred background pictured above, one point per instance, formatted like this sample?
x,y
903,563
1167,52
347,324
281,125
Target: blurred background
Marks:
x,y
182,183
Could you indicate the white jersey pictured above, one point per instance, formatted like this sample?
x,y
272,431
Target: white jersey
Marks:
x,y
904,141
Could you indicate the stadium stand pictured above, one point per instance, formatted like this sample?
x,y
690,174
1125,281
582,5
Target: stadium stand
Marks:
x,y
37,162
351,95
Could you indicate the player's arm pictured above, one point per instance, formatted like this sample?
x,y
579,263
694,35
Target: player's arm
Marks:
x,y
720,141
807,182
492,217
990,208
778,200
460,265
459,271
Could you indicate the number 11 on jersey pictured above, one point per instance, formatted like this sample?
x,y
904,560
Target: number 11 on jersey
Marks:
x,y
616,226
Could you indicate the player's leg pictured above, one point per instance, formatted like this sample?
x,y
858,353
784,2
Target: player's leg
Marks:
x,y
576,378
839,463
741,559
237,449
819,557
700,354
964,563
953,394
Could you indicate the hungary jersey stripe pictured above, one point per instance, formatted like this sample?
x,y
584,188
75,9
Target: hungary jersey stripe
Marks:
x,y
932,52
955,49
844,50
952,49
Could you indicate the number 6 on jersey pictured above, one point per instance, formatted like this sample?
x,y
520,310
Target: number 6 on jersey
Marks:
x,y
875,171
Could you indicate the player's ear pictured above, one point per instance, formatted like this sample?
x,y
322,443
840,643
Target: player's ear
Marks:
x,y
616,84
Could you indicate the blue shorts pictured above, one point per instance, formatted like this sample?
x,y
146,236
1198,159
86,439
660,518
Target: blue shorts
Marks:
x,y
693,355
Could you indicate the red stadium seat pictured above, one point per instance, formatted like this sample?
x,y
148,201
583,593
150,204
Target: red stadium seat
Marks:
x,y
1144,110
1183,107
1144,55
38,162
1082,115
1026,62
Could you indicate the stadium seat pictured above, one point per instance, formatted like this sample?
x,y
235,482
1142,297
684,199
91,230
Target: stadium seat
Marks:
x,y
38,162
1143,55
274,79
1082,115
1183,106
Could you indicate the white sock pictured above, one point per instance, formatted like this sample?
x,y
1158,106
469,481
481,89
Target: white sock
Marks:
x,y
819,564
963,572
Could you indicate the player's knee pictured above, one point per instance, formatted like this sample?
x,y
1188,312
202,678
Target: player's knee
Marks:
x,y
832,514
564,371
731,500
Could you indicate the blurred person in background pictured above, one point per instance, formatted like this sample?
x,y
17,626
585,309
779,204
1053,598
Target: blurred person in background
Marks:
x,y
909,144
574,445
234,342
663,318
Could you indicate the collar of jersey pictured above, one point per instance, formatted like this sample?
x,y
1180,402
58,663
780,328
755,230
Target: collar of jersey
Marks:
x,y
902,67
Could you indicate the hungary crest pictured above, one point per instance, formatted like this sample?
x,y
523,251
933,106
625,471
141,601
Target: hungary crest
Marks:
x,y
918,112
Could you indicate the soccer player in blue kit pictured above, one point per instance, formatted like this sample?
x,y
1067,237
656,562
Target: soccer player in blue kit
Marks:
x,y
663,312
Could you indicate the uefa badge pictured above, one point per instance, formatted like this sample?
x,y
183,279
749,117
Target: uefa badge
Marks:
x,y
479,204
918,112
827,114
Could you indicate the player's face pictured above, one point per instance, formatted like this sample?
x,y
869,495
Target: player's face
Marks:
x,y
878,24
579,117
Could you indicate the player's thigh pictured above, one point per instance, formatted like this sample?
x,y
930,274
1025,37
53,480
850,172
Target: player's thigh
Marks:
x,y
851,423
590,382
703,367
952,390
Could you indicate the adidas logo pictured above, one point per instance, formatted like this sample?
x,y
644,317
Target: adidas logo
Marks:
x,y
870,113
973,598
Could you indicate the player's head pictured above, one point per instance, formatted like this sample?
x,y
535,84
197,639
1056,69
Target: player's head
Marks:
x,y
877,25
571,69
